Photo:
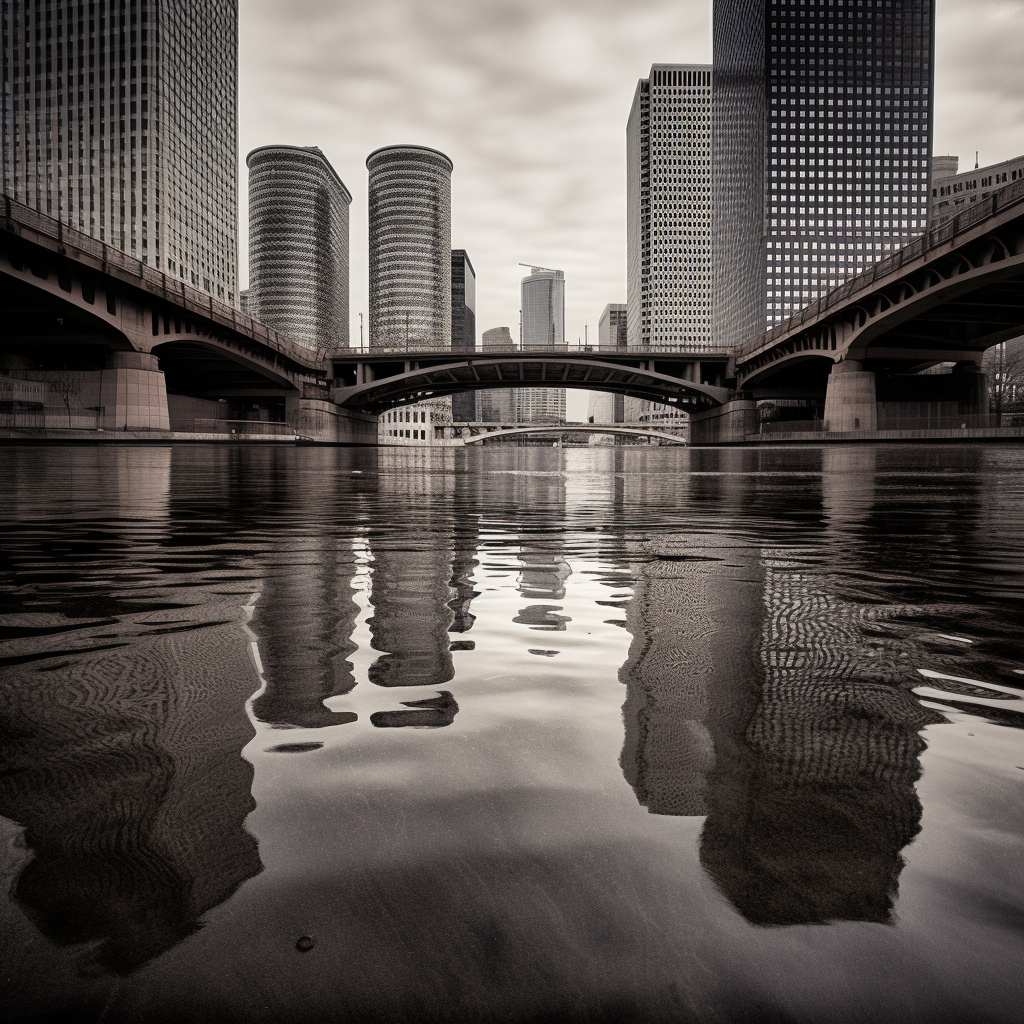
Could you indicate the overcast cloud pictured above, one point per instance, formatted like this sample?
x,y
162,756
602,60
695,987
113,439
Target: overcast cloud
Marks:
x,y
529,98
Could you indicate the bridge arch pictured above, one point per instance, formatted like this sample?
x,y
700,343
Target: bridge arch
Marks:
x,y
525,370
574,428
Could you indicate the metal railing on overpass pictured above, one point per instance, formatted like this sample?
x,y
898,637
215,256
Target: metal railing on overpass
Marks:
x,y
413,348
1011,195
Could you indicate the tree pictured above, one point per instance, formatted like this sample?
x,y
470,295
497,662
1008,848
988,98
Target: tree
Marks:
x,y
1004,366
66,384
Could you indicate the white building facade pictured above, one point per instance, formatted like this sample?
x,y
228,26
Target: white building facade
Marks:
x,y
669,209
121,122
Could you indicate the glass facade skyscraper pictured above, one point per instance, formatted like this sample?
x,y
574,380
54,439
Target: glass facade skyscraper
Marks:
x,y
543,304
298,245
120,120
410,221
668,209
821,148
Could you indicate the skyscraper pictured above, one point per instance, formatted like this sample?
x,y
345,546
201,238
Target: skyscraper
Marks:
x,y
543,306
497,405
463,302
298,245
668,208
612,326
410,223
122,122
822,147
463,327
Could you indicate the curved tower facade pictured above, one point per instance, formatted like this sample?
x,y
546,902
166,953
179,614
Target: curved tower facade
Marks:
x,y
298,245
543,305
410,225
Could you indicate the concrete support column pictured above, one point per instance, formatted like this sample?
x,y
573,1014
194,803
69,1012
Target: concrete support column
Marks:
x,y
731,423
850,402
133,393
972,389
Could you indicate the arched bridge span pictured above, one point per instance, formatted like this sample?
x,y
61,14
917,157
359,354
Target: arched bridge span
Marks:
x,y
416,379
614,429
947,297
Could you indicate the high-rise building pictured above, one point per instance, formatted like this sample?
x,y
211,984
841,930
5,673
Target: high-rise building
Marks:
x,y
463,327
543,306
612,326
540,405
822,146
298,245
463,302
121,121
496,405
668,208
543,312
410,226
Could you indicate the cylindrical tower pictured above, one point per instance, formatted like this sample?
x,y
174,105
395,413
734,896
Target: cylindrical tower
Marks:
x,y
298,245
543,305
410,222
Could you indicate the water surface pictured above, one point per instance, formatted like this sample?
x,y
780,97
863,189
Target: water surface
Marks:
x,y
512,734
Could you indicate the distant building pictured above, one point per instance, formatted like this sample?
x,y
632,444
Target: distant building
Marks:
x,y
143,157
410,229
952,192
498,339
543,311
612,326
543,306
496,405
463,327
669,208
243,300
822,133
605,407
298,245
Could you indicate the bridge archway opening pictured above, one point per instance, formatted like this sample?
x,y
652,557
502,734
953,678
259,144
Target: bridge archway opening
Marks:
x,y
204,381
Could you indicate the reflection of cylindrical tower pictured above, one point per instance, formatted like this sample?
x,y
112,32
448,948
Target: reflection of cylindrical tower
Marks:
x,y
410,214
298,245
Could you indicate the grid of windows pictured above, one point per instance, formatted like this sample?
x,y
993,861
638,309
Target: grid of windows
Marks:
x,y
831,101
120,120
668,146
410,221
298,245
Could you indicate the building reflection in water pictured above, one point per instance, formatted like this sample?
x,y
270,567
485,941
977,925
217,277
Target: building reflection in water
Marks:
x,y
759,697
304,621
123,720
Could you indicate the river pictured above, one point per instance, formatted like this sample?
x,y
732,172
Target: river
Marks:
x,y
602,734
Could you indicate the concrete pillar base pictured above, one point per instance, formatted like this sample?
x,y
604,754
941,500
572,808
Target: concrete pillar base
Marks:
x,y
850,401
133,394
728,424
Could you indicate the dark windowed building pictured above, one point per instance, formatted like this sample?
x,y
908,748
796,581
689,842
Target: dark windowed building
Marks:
x,y
120,120
463,327
822,132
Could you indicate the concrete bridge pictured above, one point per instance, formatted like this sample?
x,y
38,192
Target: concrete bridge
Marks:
x,y
375,380
479,433
159,354
950,295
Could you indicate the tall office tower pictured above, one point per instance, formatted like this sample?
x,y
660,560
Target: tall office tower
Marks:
x,y
543,306
542,294
612,331
298,245
120,120
668,208
822,147
410,215
463,327
496,405
463,302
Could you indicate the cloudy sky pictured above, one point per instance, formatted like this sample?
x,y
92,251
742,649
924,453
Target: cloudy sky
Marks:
x,y
529,98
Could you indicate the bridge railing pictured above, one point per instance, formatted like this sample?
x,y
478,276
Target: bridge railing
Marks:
x,y
413,349
867,279
175,291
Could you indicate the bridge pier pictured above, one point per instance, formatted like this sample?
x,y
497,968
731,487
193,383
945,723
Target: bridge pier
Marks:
x,y
850,399
133,394
727,424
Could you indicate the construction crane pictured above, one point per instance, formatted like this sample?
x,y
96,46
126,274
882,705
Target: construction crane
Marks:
x,y
533,266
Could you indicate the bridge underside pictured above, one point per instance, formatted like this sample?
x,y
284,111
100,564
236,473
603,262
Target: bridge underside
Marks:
x,y
556,430
395,385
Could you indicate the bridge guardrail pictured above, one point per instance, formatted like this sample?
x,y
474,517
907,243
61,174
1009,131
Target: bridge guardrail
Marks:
x,y
1000,200
155,281
717,352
